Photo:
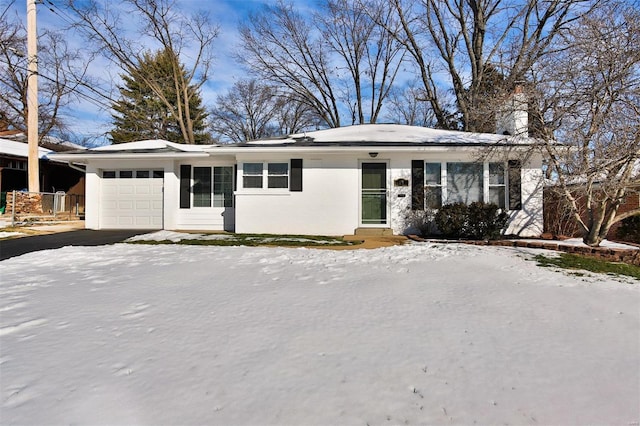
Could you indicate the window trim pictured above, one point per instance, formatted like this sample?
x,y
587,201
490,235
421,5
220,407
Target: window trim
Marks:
x,y
198,187
215,185
437,185
267,177
131,173
246,175
226,202
502,185
271,177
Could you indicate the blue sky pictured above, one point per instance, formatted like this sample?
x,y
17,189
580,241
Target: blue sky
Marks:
x,y
90,120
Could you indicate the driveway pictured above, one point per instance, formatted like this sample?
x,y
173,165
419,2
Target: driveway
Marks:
x,y
83,237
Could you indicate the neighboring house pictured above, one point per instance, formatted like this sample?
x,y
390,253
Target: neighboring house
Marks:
x,y
55,175
326,182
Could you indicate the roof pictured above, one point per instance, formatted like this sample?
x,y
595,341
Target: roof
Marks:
x,y
386,137
151,145
49,142
20,149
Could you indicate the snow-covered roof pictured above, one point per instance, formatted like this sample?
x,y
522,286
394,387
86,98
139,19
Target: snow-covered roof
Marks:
x,y
20,149
54,144
389,134
156,148
352,138
153,144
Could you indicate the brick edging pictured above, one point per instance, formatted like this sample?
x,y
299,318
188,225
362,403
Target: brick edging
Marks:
x,y
610,254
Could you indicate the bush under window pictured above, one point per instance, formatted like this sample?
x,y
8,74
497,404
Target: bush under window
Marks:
x,y
478,220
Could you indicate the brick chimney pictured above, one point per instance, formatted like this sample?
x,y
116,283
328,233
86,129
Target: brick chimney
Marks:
x,y
513,117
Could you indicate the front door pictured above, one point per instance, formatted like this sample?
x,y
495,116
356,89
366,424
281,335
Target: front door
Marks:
x,y
374,194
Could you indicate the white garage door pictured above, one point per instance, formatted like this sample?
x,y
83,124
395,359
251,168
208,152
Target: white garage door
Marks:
x,y
131,199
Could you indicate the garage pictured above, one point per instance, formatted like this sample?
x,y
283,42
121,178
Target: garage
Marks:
x,y
131,199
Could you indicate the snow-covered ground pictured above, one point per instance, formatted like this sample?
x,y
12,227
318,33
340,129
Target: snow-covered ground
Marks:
x,y
7,234
414,334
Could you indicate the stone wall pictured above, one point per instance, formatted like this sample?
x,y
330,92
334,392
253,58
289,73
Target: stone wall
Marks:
x,y
612,255
629,256
26,203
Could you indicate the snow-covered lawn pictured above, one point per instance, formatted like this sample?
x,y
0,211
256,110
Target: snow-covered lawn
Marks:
x,y
414,334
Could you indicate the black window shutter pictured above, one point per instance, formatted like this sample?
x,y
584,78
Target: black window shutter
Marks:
x,y
295,184
417,185
515,185
185,186
235,177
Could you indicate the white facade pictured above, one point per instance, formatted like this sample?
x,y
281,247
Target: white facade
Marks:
x,y
313,184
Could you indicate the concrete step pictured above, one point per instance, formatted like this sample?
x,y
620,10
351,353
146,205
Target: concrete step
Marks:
x,y
374,232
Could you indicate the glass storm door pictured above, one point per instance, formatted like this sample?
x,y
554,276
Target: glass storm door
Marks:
x,y
374,194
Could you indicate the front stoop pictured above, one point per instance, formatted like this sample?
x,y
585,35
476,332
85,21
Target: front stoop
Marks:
x,y
374,232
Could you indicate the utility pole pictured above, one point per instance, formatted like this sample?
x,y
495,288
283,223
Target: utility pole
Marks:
x,y
32,98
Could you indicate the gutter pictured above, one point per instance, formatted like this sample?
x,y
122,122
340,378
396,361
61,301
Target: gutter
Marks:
x,y
74,167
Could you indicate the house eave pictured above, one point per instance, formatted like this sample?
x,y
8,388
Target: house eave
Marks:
x,y
360,148
88,156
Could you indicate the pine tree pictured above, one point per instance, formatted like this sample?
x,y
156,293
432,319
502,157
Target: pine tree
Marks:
x,y
144,113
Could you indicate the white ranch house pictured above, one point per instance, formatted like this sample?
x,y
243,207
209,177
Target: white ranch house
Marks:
x,y
325,182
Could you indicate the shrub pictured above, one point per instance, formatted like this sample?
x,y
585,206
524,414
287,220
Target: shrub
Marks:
x,y
421,222
629,229
485,221
478,221
451,220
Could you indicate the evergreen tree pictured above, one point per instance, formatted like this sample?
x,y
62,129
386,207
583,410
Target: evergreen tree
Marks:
x,y
143,111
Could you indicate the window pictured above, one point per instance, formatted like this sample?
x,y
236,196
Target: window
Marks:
x,y
202,187
132,174
223,187
210,186
464,182
278,175
252,175
433,185
497,184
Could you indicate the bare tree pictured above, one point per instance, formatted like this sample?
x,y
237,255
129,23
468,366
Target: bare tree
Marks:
x,y
409,107
462,39
294,115
245,113
370,54
250,110
334,61
280,48
590,100
60,76
189,38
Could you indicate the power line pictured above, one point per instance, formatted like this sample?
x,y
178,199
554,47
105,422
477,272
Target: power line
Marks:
x,y
59,12
98,102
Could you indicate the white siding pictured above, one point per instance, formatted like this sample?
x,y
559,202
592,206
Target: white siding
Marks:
x,y
327,205
529,222
198,218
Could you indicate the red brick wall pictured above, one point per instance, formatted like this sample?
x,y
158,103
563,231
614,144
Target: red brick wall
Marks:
x,y
559,221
